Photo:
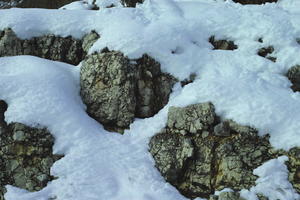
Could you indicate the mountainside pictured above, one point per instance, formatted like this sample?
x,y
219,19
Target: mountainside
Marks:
x,y
150,100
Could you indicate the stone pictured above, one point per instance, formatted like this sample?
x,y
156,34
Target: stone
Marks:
x,y
224,158
293,75
229,196
293,165
63,49
116,89
254,1
131,3
265,51
25,155
222,44
49,4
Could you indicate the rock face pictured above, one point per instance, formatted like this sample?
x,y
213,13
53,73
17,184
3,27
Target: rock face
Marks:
x,y
25,155
294,76
222,44
131,3
254,1
50,4
199,154
116,90
64,49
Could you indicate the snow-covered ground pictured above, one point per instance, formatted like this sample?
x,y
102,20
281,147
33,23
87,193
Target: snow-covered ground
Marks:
x,y
243,86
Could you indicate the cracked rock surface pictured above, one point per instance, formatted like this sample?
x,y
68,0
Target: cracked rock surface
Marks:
x,y
199,154
25,155
116,89
64,49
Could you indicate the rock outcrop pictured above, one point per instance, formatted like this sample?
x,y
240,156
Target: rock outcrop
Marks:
x,y
25,155
293,75
199,154
49,4
64,49
116,89
254,1
222,44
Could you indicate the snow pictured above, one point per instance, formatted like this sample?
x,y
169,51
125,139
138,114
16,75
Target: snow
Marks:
x,y
243,86
272,182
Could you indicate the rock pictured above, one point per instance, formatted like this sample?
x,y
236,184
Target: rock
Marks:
x,y
230,196
116,89
254,1
25,155
224,158
294,167
189,80
64,49
265,51
222,44
50,4
108,88
293,75
131,3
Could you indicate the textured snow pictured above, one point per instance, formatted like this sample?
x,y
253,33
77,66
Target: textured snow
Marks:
x,y
243,86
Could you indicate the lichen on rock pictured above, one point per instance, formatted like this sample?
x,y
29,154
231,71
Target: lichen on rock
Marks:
x,y
64,49
199,154
117,89
25,155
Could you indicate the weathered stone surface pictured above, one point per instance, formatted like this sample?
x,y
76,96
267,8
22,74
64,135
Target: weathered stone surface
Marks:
x,y
226,196
25,155
294,76
50,4
294,167
199,154
131,3
108,88
254,1
64,49
265,51
222,44
116,90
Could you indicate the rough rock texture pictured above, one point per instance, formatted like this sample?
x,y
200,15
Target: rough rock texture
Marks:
x,y
131,3
64,49
116,89
294,167
226,196
294,76
25,155
254,1
50,4
199,154
265,51
222,44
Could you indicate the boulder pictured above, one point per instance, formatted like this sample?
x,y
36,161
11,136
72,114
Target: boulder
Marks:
x,y
117,89
199,154
25,155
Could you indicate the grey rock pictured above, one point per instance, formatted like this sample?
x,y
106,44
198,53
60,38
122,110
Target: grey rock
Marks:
x,y
224,158
293,75
131,3
25,155
49,4
64,49
116,89
266,51
230,196
222,44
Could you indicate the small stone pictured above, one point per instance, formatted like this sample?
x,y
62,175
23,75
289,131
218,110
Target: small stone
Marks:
x,y
222,129
19,136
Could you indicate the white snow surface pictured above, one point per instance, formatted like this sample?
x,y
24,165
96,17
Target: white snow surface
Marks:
x,y
243,86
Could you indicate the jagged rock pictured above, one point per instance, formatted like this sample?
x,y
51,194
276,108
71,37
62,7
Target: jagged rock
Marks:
x,y
64,49
293,75
116,90
131,3
226,196
198,161
25,155
294,167
265,51
222,44
50,4
108,88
